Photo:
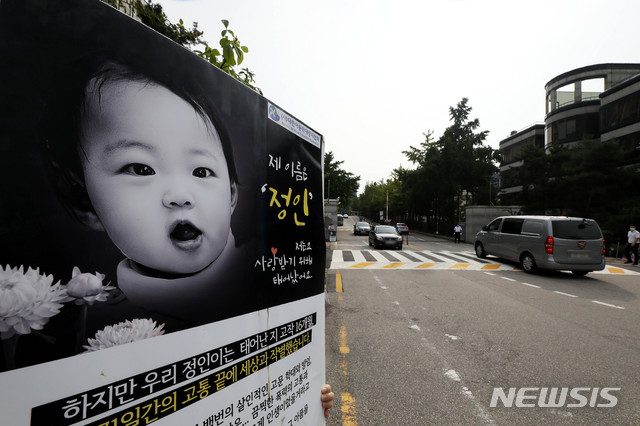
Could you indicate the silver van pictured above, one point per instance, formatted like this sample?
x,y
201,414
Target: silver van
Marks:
x,y
545,242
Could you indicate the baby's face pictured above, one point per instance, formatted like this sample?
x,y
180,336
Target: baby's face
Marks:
x,y
157,176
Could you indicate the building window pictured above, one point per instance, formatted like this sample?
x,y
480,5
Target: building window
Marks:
x,y
621,113
513,152
575,128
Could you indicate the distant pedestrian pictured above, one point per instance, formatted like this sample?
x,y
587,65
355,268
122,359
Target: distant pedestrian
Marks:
x,y
457,230
633,239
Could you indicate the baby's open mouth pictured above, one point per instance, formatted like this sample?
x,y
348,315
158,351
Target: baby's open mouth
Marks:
x,y
185,235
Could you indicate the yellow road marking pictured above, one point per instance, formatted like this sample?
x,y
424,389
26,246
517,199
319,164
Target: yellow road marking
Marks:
x,y
460,266
362,264
348,409
338,283
394,265
344,349
615,270
426,265
493,266
347,401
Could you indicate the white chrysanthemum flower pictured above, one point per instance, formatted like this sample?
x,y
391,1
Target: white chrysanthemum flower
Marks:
x,y
124,332
87,288
27,300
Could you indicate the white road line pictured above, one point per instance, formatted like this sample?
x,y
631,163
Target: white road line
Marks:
x,y
531,285
607,304
565,294
456,255
484,416
379,257
489,273
508,279
358,256
453,375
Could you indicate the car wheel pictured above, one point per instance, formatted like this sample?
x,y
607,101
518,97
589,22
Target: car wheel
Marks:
x,y
480,251
528,263
400,247
580,273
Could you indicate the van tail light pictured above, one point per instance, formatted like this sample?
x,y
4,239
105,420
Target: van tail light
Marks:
x,y
603,247
548,245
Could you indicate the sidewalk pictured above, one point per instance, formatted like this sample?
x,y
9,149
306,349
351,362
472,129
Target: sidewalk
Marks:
x,y
620,264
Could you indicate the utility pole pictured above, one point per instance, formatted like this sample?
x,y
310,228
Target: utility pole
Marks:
x,y
387,205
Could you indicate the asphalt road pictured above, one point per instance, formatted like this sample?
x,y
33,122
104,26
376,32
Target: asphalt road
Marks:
x,y
429,346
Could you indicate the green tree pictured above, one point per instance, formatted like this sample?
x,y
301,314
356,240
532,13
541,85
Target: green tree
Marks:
x,y
452,171
468,164
230,54
414,193
386,196
425,187
339,183
372,201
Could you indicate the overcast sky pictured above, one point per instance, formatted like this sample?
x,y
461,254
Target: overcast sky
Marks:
x,y
373,75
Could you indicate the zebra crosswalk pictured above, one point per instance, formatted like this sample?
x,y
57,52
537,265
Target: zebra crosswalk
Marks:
x,y
428,260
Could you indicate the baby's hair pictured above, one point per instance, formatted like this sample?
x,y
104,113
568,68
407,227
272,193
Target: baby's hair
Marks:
x,y
64,129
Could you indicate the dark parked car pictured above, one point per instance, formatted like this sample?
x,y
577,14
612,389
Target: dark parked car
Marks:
x,y
385,236
402,228
361,228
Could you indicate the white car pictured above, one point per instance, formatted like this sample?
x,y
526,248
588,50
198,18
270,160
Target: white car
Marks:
x,y
402,228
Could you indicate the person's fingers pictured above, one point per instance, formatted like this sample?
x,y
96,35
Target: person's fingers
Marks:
x,y
327,400
327,397
326,393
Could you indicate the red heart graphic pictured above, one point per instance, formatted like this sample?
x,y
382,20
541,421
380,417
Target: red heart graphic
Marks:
x,y
274,250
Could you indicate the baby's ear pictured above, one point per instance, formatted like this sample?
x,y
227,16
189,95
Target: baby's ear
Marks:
x,y
78,202
89,219
234,195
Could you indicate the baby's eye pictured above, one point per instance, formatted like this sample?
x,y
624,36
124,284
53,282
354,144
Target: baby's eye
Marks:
x,y
203,172
139,169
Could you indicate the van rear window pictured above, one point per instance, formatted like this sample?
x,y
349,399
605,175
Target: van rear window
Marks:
x,y
576,230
